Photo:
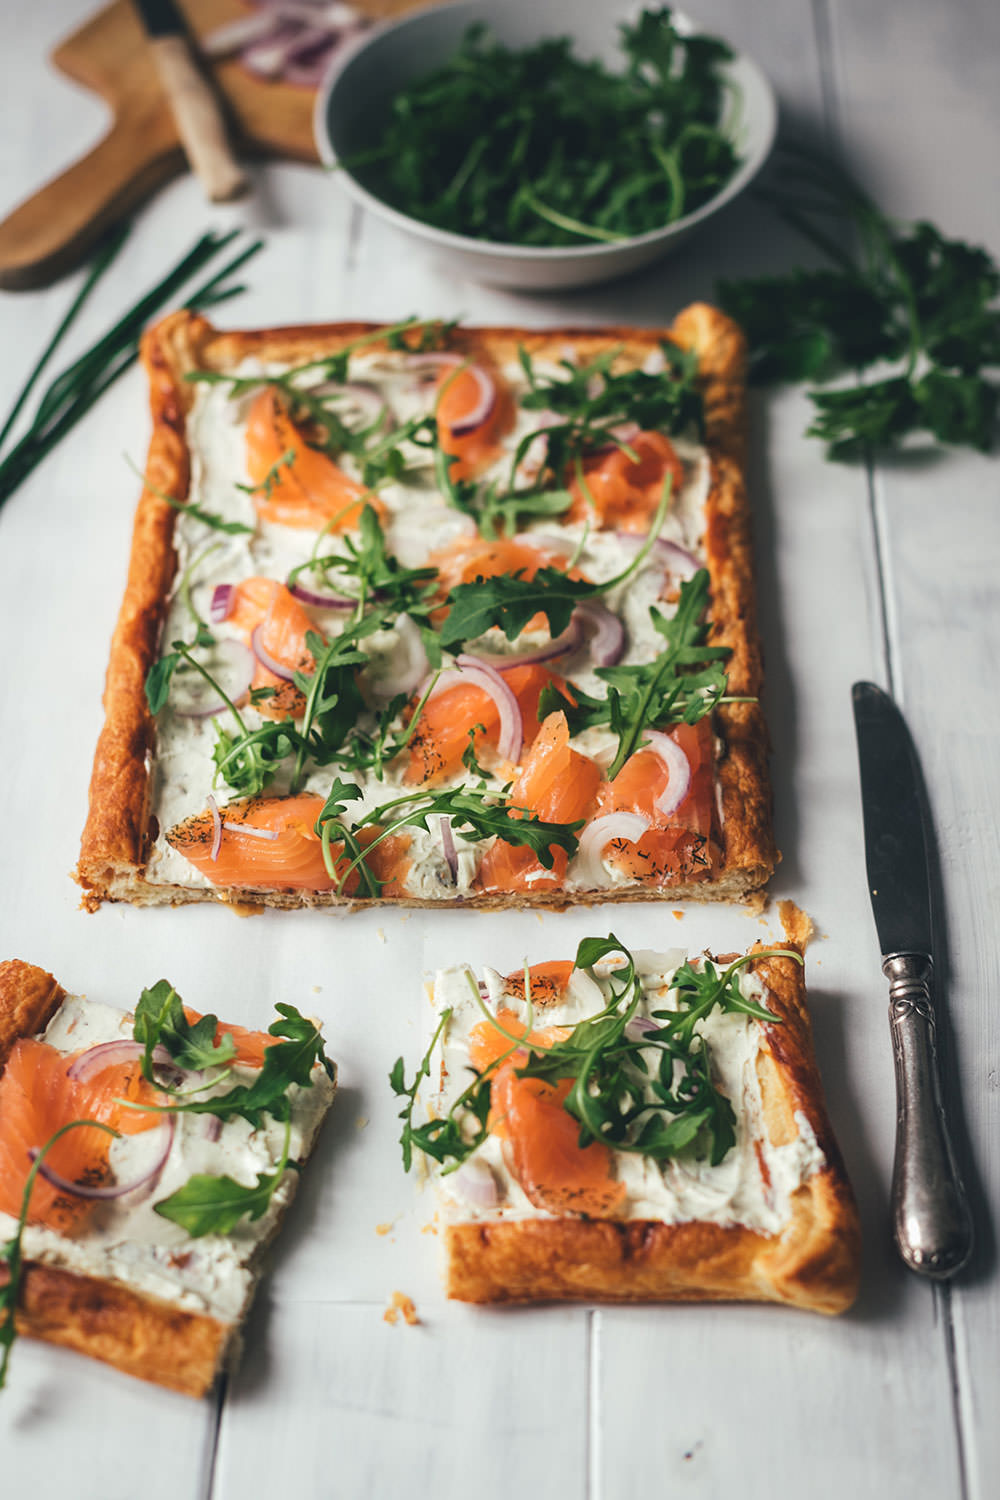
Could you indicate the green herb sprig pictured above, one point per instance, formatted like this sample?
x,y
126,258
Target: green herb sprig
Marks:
x,y
75,390
921,306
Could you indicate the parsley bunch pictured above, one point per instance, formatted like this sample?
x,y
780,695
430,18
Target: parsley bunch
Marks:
x,y
910,299
536,147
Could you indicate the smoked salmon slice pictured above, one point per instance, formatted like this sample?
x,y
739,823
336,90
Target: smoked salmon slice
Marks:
x,y
620,492
442,734
272,842
265,610
541,1139
249,1045
305,489
460,392
37,1097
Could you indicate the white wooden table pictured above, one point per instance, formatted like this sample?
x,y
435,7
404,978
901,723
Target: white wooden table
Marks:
x,y
891,574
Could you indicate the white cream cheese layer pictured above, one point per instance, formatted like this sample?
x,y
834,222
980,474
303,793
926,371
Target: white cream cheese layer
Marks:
x,y
753,1184
418,523
126,1241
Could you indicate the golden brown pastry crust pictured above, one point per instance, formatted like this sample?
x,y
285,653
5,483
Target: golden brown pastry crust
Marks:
x,y
814,1263
117,835
131,1330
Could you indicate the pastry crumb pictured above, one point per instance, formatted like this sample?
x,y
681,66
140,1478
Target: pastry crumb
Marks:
x,y
380,934
361,1122
384,1228
316,989
400,1303
679,915
798,927
430,1228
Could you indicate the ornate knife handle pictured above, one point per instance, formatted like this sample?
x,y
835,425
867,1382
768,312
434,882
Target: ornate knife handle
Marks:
x,y
931,1218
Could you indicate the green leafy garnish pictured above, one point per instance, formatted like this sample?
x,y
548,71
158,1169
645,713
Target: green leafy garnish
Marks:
x,y
911,300
10,1250
160,1022
619,1095
215,1205
537,147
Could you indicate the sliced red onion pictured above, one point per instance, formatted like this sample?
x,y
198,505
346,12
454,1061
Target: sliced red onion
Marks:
x,y
359,395
119,1189
320,601
211,1127
411,670
108,1055
640,1026
670,554
251,831
448,847
223,600
213,808
476,1182
483,407
607,644
273,55
558,646
511,736
677,766
236,35
266,659
596,836
231,665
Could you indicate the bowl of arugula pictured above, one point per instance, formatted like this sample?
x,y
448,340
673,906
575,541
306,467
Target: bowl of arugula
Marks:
x,y
542,146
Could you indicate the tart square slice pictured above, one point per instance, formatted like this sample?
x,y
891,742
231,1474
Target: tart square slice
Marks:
x,y
428,615
146,1161
634,1127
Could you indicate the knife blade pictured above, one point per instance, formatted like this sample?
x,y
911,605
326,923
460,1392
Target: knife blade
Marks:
x,y
932,1224
197,112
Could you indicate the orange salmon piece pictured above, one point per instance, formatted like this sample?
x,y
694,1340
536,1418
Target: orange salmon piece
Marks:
x,y
547,982
308,490
487,1042
459,395
283,623
291,861
541,1149
624,494
442,734
644,777
470,558
250,1045
388,861
37,1097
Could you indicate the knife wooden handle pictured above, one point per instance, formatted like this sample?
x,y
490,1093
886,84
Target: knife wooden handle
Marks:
x,y
931,1218
199,120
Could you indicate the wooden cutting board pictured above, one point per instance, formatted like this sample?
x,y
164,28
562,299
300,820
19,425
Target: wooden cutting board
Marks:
x,y
51,231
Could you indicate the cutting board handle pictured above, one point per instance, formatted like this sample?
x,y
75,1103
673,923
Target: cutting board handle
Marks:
x,y
52,230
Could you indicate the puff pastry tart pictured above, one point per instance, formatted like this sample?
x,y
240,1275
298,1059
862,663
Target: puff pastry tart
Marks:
x,y
430,615
643,1128
141,1180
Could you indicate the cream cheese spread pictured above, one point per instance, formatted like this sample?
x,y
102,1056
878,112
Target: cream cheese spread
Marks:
x,y
126,1241
417,523
752,1185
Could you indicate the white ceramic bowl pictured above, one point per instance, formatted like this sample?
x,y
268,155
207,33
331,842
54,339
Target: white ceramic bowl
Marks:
x,y
355,97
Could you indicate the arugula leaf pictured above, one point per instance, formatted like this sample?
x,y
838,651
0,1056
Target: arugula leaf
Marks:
x,y
215,1205
160,1021
510,601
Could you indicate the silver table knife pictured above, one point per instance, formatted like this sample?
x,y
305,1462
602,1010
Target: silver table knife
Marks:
x,y
931,1219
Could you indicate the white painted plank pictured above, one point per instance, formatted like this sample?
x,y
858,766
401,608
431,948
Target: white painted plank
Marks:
x,y
469,1402
926,137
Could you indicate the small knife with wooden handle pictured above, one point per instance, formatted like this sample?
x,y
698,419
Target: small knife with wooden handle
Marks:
x,y
931,1219
196,109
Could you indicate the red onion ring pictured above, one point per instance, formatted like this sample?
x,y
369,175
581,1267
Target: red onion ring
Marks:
x,y
640,1026
677,766
148,1179
216,828
266,659
558,646
477,1183
212,1127
223,601
320,601
607,644
511,736
107,1054
251,831
671,554
448,847
617,825
413,669
232,667
483,407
